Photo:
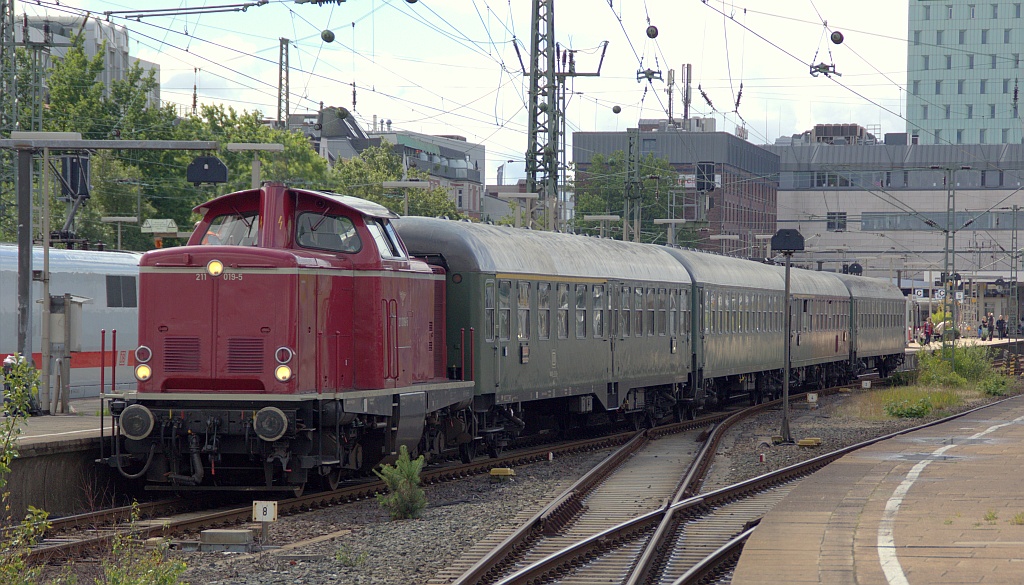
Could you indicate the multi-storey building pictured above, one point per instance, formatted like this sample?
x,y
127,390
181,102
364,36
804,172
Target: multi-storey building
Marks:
x,y
742,205
963,71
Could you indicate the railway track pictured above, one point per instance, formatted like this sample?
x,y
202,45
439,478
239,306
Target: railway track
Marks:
x,y
695,538
80,535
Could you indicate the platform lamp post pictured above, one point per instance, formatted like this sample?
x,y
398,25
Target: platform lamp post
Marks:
x,y
255,147
406,185
724,237
787,241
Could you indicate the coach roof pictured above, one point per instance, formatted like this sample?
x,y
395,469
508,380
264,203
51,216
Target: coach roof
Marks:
x,y
473,247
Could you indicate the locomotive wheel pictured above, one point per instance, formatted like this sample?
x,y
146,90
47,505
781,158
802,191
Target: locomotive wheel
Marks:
x,y
331,479
494,450
467,451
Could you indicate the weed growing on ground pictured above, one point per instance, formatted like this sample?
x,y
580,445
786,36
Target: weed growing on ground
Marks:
x,y
347,558
1018,519
405,497
991,516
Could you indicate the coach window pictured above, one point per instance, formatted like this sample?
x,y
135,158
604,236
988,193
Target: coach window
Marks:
x,y
687,314
121,291
673,307
563,311
599,309
638,311
523,315
652,302
544,310
489,310
234,229
505,310
581,311
613,311
626,302
662,311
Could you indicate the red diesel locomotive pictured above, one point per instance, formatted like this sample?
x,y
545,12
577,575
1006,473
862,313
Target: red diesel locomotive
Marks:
x,y
315,328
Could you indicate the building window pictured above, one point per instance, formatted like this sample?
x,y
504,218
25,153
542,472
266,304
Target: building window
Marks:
x,y
992,59
984,36
938,136
970,112
1006,86
917,37
970,11
949,61
938,37
995,11
1005,135
981,140
924,62
960,136
1014,115
970,61
949,11
961,36
927,12
648,145
992,111
1016,60
924,112
983,86
947,111
915,87
938,87
1016,10
836,221
960,86
1006,36
523,310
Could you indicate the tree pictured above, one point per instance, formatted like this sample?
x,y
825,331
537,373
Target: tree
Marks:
x,y
601,190
364,176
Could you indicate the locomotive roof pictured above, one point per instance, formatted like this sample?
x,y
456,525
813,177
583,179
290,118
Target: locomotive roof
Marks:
x,y
862,287
87,261
486,248
719,270
362,206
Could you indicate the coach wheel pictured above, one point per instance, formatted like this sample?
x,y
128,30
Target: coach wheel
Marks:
x,y
494,449
467,451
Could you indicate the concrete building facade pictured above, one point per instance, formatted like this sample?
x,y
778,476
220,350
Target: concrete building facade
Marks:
x,y
885,208
744,203
963,69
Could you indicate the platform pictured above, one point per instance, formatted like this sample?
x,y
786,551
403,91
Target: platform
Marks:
x,y
941,505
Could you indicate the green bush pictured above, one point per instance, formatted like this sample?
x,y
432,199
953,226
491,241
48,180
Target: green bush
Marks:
x,y
134,564
405,497
903,378
994,386
17,537
908,409
972,364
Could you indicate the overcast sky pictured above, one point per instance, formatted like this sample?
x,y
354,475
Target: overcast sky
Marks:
x,y
451,66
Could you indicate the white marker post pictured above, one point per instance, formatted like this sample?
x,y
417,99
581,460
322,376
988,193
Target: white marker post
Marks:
x,y
264,512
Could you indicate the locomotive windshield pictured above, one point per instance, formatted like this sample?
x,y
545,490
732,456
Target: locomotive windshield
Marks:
x,y
235,229
325,232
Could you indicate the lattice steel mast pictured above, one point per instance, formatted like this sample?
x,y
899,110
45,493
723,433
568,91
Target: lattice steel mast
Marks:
x,y
542,147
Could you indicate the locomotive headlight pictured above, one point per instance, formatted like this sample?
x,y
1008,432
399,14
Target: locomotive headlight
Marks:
x,y
215,267
283,355
137,422
143,354
283,373
143,372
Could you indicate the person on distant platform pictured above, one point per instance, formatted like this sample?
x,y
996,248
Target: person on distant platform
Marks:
x,y
991,326
1001,327
928,331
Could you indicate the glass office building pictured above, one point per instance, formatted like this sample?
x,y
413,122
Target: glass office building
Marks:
x,y
964,72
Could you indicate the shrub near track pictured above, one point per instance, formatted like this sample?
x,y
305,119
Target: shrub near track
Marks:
x,y
936,387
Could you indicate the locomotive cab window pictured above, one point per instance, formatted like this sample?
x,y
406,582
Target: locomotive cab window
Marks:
x,y
233,229
325,232
386,239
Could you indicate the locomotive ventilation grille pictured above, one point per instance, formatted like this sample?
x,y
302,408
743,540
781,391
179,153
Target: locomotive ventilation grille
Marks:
x,y
181,354
245,355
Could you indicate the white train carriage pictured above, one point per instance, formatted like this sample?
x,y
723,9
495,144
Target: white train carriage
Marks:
x,y
109,280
